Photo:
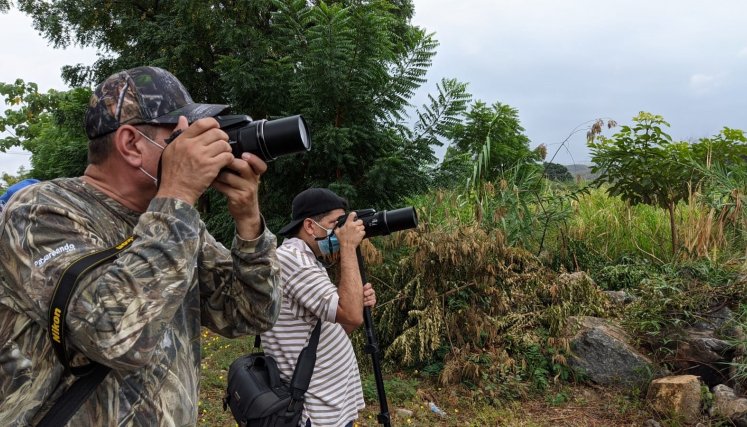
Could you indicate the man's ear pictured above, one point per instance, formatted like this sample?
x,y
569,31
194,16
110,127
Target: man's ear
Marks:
x,y
308,227
126,139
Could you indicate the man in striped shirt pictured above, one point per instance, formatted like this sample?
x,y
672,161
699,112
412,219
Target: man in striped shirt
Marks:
x,y
313,239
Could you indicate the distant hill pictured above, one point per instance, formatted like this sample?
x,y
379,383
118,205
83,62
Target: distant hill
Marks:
x,y
581,170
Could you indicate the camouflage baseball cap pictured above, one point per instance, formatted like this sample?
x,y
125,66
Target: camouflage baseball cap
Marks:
x,y
142,95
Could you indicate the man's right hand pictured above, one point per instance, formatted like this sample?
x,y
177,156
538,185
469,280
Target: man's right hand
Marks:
x,y
192,161
351,233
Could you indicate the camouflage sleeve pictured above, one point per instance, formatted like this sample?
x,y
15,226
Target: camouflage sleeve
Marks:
x,y
246,298
121,309
124,308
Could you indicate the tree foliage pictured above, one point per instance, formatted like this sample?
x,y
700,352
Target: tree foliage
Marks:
x,y
351,71
728,149
47,125
641,164
497,129
556,172
349,67
436,121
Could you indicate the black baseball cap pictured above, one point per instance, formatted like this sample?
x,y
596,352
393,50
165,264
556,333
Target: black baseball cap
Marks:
x,y
311,202
142,95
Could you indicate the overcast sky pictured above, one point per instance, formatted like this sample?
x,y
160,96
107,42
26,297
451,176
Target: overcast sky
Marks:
x,y
561,64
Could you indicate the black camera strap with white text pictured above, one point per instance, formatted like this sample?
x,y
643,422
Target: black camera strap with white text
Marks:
x,y
92,374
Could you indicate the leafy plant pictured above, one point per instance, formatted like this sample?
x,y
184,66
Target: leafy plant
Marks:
x,y
675,297
494,309
622,276
642,165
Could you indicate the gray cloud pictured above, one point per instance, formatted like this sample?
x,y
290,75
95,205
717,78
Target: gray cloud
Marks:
x,y
560,63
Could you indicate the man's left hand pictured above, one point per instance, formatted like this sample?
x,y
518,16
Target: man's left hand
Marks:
x,y
242,190
369,295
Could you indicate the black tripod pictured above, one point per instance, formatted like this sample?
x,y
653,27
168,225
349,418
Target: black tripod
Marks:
x,y
372,348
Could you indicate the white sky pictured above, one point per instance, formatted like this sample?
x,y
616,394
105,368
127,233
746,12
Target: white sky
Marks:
x,y
560,63
26,55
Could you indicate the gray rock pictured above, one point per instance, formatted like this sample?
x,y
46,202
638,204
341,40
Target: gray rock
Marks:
x,y
601,352
620,297
402,412
726,403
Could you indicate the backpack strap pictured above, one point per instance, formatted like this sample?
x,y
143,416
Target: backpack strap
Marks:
x,y
305,365
92,374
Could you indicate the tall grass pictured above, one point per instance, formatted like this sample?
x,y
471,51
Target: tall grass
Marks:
x,y
612,230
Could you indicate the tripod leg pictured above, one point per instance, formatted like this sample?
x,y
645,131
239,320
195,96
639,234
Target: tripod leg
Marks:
x,y
372,348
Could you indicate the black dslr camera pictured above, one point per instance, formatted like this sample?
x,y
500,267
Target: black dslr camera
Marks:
x,y
267,139
382,223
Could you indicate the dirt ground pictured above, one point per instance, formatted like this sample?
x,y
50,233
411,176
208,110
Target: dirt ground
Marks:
x,y
578,405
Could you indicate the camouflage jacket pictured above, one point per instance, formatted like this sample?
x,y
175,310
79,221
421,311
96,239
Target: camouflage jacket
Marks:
x,y
141,314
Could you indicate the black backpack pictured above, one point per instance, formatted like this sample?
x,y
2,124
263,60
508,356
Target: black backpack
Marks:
x,y
259,398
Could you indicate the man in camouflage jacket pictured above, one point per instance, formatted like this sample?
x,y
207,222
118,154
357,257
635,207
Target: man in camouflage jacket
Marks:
x,y
140,314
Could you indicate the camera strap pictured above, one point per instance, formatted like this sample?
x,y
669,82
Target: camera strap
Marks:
x,y
92,374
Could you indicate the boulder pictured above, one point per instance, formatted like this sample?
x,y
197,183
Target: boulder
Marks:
x,y
600,351
677,397
703,349
700,352
726,403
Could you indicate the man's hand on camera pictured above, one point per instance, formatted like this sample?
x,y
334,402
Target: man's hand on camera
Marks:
x,y
351,233
192,161
241,188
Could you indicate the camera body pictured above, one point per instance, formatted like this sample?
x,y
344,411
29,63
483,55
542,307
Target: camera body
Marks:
x,y
382,223
266,139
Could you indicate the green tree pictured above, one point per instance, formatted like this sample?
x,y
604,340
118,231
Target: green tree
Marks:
x,y
12,179
728,149
641,164
499,124
350,72
349,67
436,122
556,172
47,125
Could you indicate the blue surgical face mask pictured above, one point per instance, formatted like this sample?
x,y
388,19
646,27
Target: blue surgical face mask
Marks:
x,y
328,244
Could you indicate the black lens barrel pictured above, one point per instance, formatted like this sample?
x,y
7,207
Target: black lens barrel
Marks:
x,y
383,223
267,139
401,219
284,136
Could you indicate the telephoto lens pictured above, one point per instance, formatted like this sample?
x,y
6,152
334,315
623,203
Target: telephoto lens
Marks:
x,y
382,223
267,139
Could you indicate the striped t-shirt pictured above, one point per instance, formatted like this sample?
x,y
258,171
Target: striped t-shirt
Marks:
x,y
334,396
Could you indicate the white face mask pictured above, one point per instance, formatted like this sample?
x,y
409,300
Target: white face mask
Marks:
x,y
329,231
155,180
